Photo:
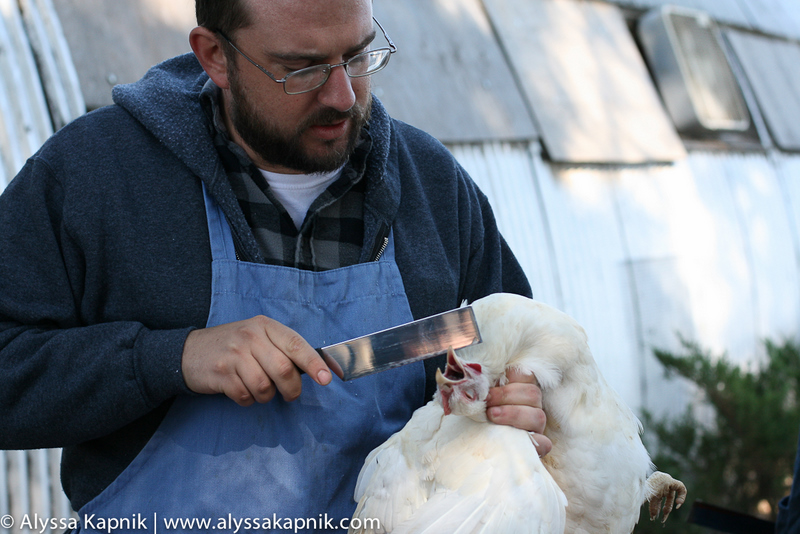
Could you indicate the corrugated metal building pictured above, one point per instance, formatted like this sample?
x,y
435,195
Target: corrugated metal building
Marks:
x,y
643,160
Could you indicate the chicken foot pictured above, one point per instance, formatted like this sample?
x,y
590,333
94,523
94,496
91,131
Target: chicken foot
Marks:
x,y
662,487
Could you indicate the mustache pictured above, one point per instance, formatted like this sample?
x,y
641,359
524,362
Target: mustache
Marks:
x,y
332,116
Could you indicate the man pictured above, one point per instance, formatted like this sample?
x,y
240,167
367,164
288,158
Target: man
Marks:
x,y
235,208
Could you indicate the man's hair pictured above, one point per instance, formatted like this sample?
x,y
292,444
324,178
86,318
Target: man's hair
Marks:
x,y
225,16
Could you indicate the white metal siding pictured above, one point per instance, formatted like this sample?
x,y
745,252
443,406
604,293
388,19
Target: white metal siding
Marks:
x,y
506,173
53,56
30,488
24,120
766,224
780,17
591,260
706,248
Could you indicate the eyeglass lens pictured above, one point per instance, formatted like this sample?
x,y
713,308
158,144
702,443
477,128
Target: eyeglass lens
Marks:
x,y
363,64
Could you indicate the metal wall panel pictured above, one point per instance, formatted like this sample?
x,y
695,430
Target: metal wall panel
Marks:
x,y
24,119
725,305
10,152
53,57
684,221
507,175
771,66
5,507
19,487
29,488
771,249
449,76
591,262
586,81
715,235
777,17
702,265
788,170
650,202
115,42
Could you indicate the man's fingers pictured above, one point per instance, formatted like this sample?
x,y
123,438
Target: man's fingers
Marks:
x,y
518,393
523,417
299,352
249,361
256,382
235,390
519,404
284,374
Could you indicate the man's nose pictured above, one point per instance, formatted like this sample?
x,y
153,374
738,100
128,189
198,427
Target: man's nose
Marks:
x,y
337,92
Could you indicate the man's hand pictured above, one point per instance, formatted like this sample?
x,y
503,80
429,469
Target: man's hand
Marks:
x,y
519,404
250,360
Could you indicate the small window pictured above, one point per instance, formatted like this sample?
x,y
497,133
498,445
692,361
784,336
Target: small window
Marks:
x,y
686,55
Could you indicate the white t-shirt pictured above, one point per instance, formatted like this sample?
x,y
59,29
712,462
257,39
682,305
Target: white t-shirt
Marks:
x,y
298,191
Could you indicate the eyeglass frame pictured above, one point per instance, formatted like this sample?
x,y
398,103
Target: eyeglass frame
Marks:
x,y
391,48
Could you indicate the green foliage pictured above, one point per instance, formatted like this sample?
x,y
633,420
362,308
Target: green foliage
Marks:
x,y
745,455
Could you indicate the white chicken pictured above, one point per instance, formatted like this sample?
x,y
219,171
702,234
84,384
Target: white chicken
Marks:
x,y
450,471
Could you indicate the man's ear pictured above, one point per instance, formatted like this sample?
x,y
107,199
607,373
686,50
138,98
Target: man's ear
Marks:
x,y
207,46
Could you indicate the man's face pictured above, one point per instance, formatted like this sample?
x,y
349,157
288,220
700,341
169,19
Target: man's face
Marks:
x,y
309,132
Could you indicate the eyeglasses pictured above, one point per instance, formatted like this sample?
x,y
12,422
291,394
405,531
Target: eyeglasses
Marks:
x,y
310,78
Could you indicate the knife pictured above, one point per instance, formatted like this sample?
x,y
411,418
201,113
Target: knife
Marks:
x,y
403,344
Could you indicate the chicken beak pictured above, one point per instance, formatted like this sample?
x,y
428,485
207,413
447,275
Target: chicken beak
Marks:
x,y
446,384
441,380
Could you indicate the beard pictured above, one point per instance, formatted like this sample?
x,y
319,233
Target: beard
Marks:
x,y
277,147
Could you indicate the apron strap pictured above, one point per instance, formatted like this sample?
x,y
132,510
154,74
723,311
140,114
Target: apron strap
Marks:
x,y
219,231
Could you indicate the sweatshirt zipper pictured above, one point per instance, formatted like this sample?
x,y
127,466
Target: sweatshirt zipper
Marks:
x,y
381,242
236,246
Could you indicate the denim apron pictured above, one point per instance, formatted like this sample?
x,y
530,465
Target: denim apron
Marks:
x,y
211,459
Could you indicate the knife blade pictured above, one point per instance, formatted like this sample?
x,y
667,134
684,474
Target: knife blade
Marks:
x,y
403,344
